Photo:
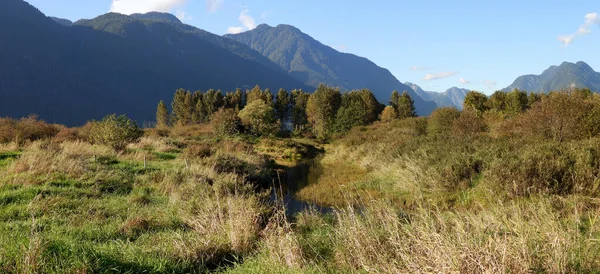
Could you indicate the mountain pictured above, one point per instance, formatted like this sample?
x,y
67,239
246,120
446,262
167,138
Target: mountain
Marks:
x,y
453,97
313,63
64,22
116,64
157,16
566,75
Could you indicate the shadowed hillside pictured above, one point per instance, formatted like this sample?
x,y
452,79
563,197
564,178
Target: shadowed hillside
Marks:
x,y
115,64
313,63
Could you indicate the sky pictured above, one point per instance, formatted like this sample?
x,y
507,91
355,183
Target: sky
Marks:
x,y
436,44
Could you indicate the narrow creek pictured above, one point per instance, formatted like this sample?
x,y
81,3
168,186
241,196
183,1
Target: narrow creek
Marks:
x,y
292,179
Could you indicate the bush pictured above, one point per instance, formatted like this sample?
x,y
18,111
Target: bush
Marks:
x,y
116,132
26,129
389,114
198,150
441,120
66,134
550,168
468,124
225,122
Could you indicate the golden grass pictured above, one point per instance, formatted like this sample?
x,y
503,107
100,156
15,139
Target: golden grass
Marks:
x,y
517,237
9,147
158,144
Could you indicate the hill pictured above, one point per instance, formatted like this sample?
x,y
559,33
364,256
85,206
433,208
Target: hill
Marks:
x,y
566,75
453,97
116,64
313,63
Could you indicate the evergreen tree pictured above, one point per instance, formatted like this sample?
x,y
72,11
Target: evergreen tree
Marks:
x,y
268,97
321,109
372,106
180,111
212,101
298,101
199,112
352,112
255,94
162,115
241,97
406,106
394,99
197,116
188,104
282,105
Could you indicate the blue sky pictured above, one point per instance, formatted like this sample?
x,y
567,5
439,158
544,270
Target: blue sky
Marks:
x,y
437,44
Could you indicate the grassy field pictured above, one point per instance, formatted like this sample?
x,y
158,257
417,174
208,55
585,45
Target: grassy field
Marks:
x,y
408,198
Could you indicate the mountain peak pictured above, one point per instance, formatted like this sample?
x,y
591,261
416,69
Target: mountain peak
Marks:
x,y
313,63
263,26
566,75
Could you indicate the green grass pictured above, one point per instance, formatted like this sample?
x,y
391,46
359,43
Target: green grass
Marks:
x,y
7,157
117,217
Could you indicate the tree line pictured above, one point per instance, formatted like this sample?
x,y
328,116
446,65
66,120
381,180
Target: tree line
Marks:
x,y
324,112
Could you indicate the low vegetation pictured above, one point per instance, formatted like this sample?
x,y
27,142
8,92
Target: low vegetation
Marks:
x,y
509,184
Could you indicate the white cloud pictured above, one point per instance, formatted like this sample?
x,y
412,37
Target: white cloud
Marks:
x,y
464,81
143,6
490,84
440,75
247,21
235,30
213,5
590,20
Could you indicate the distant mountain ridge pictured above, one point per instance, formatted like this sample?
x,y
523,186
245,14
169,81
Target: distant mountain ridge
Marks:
x,y
116,64
313,63
567,75
64,22
157,16
452,97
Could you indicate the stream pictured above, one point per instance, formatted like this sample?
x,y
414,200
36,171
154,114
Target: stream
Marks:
x,y
294,178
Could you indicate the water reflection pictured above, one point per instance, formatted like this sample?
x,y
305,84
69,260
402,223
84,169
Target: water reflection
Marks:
x,y
292,179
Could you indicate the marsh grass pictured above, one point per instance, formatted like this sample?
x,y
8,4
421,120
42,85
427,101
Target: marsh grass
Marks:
x,y
74,207
407,200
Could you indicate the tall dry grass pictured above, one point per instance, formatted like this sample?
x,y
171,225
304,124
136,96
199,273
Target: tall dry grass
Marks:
x,y
44,160
515,237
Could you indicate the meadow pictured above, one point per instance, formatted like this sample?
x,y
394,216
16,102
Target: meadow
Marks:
x,y
458,191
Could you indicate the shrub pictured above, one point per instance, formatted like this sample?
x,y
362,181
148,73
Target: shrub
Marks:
x,y
389,114
198,150
442,119
26,129
66,134
550,168
225,122
560,116
468,124
116,132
